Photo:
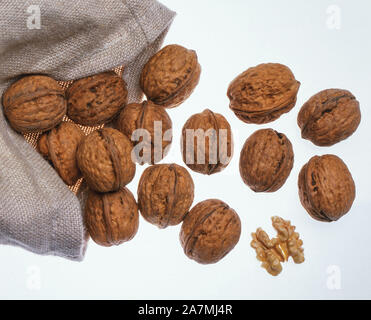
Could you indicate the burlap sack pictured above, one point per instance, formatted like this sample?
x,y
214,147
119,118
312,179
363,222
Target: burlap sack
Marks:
x,y
73,39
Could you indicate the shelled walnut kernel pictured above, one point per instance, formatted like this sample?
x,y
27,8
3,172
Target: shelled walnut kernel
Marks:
x,y
272,252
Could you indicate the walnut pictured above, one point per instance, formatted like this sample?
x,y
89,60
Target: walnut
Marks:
x,y
263,93
266,160
170,76
272,252
104,158
42,146
97,99
329,116
165,194
210,231
153,143
34,103
207,142
60,145
111,218
326,188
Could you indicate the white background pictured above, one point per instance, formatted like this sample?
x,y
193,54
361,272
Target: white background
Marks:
x,y
230,36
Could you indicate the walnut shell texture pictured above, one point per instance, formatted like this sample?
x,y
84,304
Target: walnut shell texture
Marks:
x,y
157,123
330,116
266,160
326,188
42,146
263,93
165,194
170,76
207,142
34,104
60,146
104,158
97,99
210,231
111,218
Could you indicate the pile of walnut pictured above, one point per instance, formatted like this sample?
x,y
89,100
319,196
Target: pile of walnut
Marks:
x,y
326,189
105,158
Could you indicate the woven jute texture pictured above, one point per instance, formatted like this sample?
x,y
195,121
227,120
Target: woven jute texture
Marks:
x,y
75,39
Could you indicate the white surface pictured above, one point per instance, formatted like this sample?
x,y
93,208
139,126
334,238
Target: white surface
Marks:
x,y
229,37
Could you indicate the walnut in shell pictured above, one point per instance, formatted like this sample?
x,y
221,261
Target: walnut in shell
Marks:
x,y
165,194
326,188
170,76
210,231
207,142
266,160
111,218
263,93
60,146
272,252
104,158
329,116
152,142
34,104
97,99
